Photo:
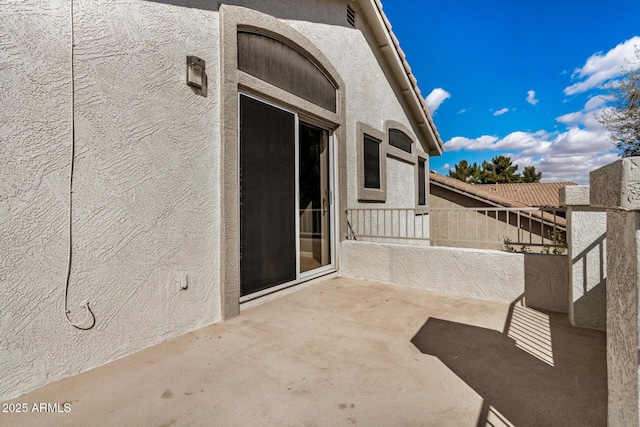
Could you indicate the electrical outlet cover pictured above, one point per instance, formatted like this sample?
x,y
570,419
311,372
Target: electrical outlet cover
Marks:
x,y
183,283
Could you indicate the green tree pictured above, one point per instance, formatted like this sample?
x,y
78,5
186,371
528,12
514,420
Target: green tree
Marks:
x,y
529,174
622,119
465,172
500,170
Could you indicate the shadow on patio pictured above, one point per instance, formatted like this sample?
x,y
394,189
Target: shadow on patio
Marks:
x,y
345,352
538,372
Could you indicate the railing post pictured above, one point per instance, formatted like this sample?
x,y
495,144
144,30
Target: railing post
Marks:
x,y
616,187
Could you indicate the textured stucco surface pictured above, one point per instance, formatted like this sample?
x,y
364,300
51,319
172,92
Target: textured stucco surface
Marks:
x,y
546,280
623,258
401,191
371,99
332,12
147,195
146,190
587,245
482,274
574,195
617,185
35,43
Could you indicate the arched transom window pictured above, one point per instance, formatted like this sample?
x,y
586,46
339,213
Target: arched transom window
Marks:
x,y
277,63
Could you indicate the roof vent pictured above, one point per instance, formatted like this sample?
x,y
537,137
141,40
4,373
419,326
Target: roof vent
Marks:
x,y
351,16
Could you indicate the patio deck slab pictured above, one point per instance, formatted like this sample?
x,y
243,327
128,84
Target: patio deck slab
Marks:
x,y
347,352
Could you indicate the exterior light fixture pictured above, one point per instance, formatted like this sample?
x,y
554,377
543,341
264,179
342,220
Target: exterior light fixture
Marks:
x,y
196,76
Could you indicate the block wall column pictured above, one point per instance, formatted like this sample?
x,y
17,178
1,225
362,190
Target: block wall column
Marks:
x,y
616,187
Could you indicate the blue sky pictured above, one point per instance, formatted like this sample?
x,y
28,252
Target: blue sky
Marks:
x,y
520,78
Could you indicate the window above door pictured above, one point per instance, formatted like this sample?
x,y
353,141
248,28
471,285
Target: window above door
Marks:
x,y
279,64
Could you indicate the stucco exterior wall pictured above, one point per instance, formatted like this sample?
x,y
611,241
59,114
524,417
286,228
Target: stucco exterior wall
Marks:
x,y
587,245
484,274
623,331
616,187
331,12
588,252
370,99
145,183
400,186
147,195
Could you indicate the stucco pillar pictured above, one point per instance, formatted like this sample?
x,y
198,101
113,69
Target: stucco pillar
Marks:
x,y
616,187
586,242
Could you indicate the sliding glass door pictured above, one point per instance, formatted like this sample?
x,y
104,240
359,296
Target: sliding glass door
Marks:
x,y
314,182
285,197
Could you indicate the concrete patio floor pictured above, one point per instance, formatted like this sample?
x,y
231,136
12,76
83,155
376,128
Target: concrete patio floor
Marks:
x,y
347,352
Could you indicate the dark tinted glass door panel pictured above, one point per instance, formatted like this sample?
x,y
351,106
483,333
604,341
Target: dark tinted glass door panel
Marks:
x,y
267,196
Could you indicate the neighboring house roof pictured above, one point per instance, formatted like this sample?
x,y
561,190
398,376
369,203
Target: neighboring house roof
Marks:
x,y
531,194
535,194
390,46
474,190
527,195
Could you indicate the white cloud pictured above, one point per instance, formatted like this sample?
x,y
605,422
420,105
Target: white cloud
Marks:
x,y
595,102
435,98
560,156
464,110
602,67
574,140
588,116
564,168
446,166
457,143
571,118
583,145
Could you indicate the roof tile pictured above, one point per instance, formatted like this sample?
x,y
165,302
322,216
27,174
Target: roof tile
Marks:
x,y
536,194
532,194
545,194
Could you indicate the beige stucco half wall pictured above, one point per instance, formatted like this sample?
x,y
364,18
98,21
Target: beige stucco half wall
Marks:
x,y
486,274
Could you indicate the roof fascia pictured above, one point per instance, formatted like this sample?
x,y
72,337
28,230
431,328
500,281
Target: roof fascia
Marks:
x,y
390,47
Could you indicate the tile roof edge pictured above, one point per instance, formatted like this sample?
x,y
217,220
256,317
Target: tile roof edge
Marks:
x,y
506,202
407,68
470,189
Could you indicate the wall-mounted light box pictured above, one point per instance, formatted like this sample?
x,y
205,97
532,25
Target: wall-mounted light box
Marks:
x,y
196,76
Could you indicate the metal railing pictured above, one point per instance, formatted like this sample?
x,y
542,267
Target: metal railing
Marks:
x,y
516,229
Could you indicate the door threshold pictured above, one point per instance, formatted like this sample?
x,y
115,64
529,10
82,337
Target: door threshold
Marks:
x,y
270,294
